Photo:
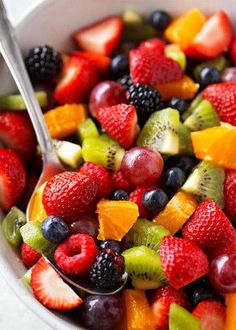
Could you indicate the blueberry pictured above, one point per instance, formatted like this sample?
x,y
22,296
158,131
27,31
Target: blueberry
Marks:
x,y
186,163
175,178
120,195
155,200
179,104
159,19
54,229
201,294
209,75
110,244
119,65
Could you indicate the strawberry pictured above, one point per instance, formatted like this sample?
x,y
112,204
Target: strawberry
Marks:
x,y
209,227
16,132
223,98
232,51
119,182
151,68
136,197
213,39
153,45
29,255
12,178
182,261
76,254
120,122
160,301
101,62
68,194
101,37
101,174
58,296
230,193
211,314
79,77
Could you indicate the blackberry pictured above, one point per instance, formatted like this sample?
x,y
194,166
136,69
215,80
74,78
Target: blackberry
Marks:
x,y
43,64
125,81
145,99
107,270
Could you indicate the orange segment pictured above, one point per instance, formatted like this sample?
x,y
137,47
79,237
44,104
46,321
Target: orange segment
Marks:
x,y
184,29
64,120
185,88
176,212
37,211
116,218
217,145
138,314
230,299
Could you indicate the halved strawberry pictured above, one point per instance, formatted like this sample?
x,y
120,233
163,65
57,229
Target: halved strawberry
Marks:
x,y
101,37
213,39
50,290
154,44
120,122
211,314
101,62
78,79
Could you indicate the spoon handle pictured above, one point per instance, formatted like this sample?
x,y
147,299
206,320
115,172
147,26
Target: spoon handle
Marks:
x,y
11,53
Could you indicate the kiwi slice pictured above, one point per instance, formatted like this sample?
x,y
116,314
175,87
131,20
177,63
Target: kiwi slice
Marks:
x,y
132,17
144,268
87,129
69,153
204,116
147,233
185,141
206,181
27,277
16,102
161,132
103,151
220,63
32,235
11,225
193,105
180,318
175,53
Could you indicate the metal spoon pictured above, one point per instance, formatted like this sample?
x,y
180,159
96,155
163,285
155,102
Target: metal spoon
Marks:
x,y
11,53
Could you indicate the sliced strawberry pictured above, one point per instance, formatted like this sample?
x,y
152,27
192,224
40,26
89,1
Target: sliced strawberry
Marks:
x,y
155,44
101,62
16,132
211,314
151,68
232,50
120,122
50,290
101,37
78,79
12,178
213,39
230,193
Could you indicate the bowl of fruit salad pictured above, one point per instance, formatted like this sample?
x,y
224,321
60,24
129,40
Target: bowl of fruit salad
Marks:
x,y
140,101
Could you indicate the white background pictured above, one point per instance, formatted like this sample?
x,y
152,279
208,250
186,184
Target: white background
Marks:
x,y
13,314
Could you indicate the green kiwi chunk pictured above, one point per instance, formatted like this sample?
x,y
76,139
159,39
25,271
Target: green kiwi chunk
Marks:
x,y
161,132
26,279
11,225
175,53
69,153
87,129
132,17
193,105
220,63
144,268
147,233
185,141
206,181
204,116
16,102
181,319
103,151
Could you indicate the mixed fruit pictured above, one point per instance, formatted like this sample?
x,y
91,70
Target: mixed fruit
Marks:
x,y
143,117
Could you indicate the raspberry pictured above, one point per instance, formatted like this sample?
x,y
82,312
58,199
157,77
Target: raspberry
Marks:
x,y
29,255
108,269
136,197
76,254
119,182
102,176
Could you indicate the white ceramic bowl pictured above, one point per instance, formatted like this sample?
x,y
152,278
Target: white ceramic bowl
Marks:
x,y
52,22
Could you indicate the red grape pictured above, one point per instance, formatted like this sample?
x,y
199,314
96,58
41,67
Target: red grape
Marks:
x,y
142,165
86,224
223,273
106,94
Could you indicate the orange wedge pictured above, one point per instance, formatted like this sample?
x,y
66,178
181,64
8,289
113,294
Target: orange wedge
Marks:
x,y
64,120
217,145
37,211
230,299
176,212
184,29
115,218
185,88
